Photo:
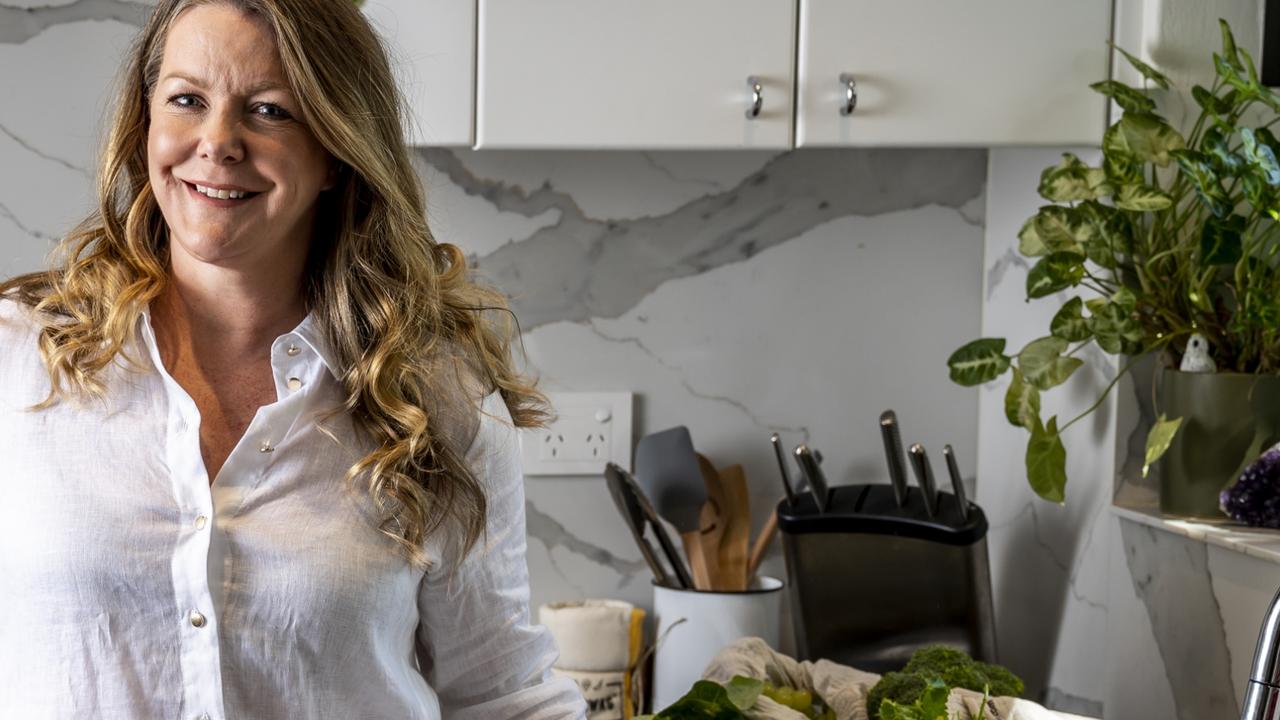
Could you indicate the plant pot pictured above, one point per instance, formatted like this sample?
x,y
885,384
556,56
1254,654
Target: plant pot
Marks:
x,y
1228,419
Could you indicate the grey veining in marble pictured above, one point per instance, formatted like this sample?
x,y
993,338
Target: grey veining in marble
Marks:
x,y
1171,576
19,24
603,268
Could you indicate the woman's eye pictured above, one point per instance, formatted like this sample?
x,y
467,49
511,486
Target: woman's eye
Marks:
x,y
179,100
275,112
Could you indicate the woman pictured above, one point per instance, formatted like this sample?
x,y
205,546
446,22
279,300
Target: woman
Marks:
x,y
257,454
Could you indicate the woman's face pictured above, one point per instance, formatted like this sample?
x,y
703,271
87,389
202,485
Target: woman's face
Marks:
x,y
223,117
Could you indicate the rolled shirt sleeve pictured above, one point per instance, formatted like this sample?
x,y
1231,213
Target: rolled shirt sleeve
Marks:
x,y
477,646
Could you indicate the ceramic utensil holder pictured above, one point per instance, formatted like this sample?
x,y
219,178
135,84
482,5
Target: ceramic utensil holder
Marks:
x,y
694,625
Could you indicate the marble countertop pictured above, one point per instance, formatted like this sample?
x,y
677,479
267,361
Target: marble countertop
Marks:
x,y
1260,543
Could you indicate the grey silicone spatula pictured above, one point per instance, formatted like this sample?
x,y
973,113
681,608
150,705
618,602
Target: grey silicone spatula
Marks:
x,y
667,470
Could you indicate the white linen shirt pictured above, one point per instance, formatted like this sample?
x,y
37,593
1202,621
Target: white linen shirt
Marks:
x,y
132,588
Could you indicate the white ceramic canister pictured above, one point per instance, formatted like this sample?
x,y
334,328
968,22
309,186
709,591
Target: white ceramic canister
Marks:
x,y
694,625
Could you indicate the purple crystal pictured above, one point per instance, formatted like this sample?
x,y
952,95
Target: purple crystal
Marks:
x,y
1254,499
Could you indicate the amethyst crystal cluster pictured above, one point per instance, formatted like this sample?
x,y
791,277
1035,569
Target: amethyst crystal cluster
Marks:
x,y
1254,499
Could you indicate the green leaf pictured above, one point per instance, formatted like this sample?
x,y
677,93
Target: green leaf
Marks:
x,y
1223,159
1022,402
1095,305
1121,169
743,691
1142,198
1229,51
705,701
1069,323
1159,439
980,361
1261,154
1210,103
1114,326
1198,168
1129,99
934,701
1146,138
1053,272
1072,180
1047,462
1030,244
1061,228
1147,71
1220,240
1043,365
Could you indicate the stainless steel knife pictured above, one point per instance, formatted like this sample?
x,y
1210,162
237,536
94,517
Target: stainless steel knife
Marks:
x,y
957,483
924,475
776,441
813,472
894,455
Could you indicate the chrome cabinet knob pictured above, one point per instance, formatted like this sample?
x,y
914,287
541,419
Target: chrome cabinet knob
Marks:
x,y
850,94
757,100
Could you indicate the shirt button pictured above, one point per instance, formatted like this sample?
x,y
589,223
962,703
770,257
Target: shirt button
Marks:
x,y
295,384
197,620
266,447
200,521
292,350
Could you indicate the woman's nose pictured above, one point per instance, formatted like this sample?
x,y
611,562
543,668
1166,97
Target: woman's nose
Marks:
x,y
220,137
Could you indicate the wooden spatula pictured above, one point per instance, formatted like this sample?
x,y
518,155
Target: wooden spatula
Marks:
x,y
735,515
711,524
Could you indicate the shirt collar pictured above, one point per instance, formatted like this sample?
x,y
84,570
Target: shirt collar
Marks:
x,y
306,332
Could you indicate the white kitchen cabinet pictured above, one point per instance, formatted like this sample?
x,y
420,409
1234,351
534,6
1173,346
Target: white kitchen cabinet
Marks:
x,y
942,72
659,74
432,49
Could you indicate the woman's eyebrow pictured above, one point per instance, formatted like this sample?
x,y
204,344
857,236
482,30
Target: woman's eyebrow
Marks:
x,y
201,83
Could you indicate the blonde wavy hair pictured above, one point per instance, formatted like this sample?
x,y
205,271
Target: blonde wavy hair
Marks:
x,y
407,322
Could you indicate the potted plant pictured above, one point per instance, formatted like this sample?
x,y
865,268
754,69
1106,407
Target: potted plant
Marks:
x,y
1173,246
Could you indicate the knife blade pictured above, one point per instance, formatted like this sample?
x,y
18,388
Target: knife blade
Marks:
x,y
813,472
924,475
893,453
957,483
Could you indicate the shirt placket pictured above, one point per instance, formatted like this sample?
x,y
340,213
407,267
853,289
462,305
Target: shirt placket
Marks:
x,y
198,555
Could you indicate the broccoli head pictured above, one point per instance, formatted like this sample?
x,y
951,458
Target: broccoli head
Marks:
x,y
951,666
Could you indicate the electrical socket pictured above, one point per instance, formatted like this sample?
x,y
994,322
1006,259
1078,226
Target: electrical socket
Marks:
x,y
590,430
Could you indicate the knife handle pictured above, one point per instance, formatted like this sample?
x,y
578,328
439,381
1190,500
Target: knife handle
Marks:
x,y
776,441
957,483
894,455
817,480
924,474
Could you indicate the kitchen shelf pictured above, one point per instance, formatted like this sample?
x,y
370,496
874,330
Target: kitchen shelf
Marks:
x,y
1260,543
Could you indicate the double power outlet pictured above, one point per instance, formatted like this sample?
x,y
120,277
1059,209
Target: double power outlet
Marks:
x,y
590,430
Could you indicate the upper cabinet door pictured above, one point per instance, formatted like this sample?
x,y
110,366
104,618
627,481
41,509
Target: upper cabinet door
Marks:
x,y
432,50
615,74
943,72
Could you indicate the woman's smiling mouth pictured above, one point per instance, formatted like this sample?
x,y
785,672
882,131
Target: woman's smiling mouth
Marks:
x,y
220,198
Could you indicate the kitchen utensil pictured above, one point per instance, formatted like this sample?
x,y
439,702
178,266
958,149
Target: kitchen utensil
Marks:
x,y
776,441
667,470
735,543
813,473
711,521
678,566
761,545
957,484
634,517
924,475
894,455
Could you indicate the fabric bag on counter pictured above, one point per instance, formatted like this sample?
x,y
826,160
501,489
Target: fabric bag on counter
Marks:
x,y
600,646
843,688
